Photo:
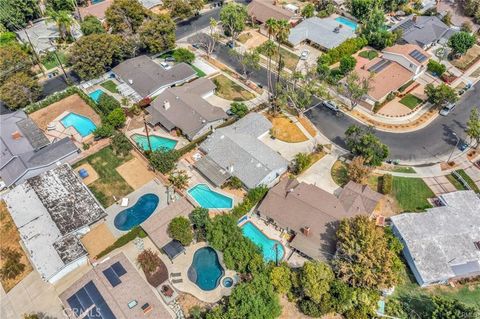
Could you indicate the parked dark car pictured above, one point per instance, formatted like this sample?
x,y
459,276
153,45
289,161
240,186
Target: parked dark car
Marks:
x,y
462,145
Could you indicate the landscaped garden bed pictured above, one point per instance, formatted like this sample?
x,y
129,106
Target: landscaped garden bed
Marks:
x,y
411,101
468,59
368,54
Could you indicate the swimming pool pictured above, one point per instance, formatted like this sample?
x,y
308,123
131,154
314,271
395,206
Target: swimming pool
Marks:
x,y
205,270
157,142
95,95
208,198
349,23
268,246
83,125
138,213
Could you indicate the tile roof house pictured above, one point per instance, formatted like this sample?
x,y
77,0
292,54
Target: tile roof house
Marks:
x,y
26,152
396,66
185,108
313,215
237,149
423,31
113,288
443,243
51,212
146,78
97,10
262,10
327,33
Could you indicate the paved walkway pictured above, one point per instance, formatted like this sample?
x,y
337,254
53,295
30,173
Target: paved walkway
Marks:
x,y
319,174
439,185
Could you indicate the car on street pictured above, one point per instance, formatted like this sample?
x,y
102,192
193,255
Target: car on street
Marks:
x,y
330,105
304,55
447,109
462,145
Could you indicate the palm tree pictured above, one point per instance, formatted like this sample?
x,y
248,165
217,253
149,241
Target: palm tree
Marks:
x,y
283,30
272,27
271,24
64,21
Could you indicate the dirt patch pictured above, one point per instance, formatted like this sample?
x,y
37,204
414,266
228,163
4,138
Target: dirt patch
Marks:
x,y
388,206
188,301
11,238
92,174
72,103
135,173
238,193
468,59
290,311
307,125
98,239
285,130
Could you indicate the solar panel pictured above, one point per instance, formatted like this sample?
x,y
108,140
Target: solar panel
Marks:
x,y
112,277
87,296
379,66
417,55
406,25
84,298
105,311
118,268
75,305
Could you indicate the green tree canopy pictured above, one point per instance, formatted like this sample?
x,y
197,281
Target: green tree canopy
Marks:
x,y
347,64
440,95
15,14
107,103
181,230
116,118
91,25
363,142
239,109
367,256
158,33
375,30
233,17
315,279
59,5
13,59
125,16
120,144
452,309
281,278
94,54
360,9
308,10
183,9
164,160
460,42
473,125
199,217
19,90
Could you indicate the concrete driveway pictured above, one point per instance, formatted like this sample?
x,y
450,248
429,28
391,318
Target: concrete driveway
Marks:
x,y
439,185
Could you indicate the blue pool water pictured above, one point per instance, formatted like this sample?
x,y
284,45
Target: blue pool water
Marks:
x,y
266,244
157,142
349,23
138,213
208,198
95,95
82,124
205,270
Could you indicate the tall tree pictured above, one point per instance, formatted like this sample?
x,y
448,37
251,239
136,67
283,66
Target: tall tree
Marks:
x,y
61,5
15,14
376,31
91,25
460,42
125,16
308,11
366,257
473,126
13,59
19,90
250,61
233,17
283,31
355,87
358,171
363,142
360,9
64,21
440,95
268,49
316,278
158,33
181,230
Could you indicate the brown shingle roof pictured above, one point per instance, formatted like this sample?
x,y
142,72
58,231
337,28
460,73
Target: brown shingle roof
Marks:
x,y
357,198
262,10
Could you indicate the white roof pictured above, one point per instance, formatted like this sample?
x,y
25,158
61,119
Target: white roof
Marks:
x,y
321,32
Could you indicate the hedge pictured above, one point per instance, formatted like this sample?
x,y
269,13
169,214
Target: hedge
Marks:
x,y
123,240
254,196
387,182
55,97
347,48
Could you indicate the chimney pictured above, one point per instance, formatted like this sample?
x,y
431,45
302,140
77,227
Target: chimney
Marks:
x,y
414,18
130,81
166,104
230,169
306,230
16,135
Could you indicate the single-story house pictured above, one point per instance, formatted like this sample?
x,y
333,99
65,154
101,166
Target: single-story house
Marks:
x,y
312,215
395,67
237,149
97,10
443,243
25,151
141,77
41,34
423,31
51,211
262,10
113,288
185,108
326,33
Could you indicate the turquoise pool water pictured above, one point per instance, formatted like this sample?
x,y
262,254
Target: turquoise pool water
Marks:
x,y
138,213
205,270
82,124
95,95
208,198
268,246
157,142
349,23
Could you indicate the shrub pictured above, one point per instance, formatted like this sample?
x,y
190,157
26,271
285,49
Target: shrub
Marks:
x,y
302,161
239,109
347,64
179,179
107,104
234,183
180,229
254,196
149,260
116,118
103,131
183,55
135,232
199,217
387,182
310,308
164,160
436,67
347,48
12,267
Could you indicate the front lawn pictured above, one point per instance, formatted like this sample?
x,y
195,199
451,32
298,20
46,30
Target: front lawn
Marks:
x,y
229,90
339,173
469,180
285,130
289,58
49,61
411,193
404,169
468,59
455,182
368,54
110,183
110,86
411,101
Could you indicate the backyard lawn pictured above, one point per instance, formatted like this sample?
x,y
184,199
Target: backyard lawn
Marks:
x,y
110,86
285,130
368,54
109,183
411,193
229,90
411,101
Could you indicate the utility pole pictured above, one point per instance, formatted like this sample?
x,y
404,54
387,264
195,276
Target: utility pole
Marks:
x,y
147,133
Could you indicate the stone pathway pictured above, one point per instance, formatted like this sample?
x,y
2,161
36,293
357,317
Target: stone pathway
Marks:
x,y
439,185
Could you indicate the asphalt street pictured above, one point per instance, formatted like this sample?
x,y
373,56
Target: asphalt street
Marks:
x,y
431,144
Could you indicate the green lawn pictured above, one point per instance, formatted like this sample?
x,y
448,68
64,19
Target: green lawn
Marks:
x,y
49,61
455,182
229,90
110,86
109,183
368,54
469,180
411,101
200,73
411,193
339,173
404,169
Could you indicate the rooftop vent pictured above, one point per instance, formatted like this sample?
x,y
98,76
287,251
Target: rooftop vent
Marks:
x,y
16,135
130,81
306,230
166,104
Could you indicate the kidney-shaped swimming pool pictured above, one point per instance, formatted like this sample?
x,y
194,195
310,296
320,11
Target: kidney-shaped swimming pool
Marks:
x,y
138,213
206,270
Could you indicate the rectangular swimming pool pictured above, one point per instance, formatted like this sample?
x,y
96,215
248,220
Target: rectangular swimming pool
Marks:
x,y
157,142
82,124
349,23
272,250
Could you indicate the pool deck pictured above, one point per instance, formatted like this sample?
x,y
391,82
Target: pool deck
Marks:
x,y
153,187
182,263
56,130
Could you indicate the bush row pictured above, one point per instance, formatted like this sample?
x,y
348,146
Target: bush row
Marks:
x,y
347,48
254,196
125,239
